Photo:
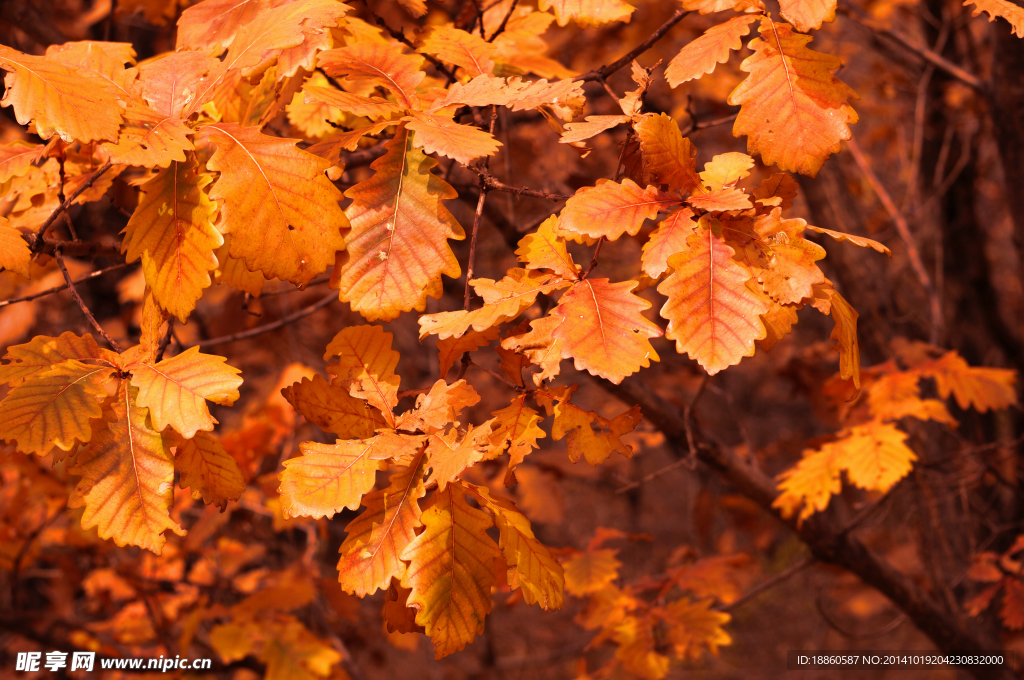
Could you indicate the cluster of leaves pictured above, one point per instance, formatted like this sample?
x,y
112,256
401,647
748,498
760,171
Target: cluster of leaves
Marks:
x,y
1000,572
870,449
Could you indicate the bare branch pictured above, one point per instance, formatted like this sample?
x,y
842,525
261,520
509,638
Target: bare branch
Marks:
x,y
266,328
81,303
38,240
57,289
605,71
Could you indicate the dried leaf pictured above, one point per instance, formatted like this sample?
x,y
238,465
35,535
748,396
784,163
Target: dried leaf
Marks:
x,y
333,409
545,249
327,478
207,468
700,56
365,365
436,133
611,209
668,156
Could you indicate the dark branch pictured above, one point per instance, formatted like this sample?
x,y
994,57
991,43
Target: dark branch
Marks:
x,y
57,289
605,71
37,241
266,328
81,303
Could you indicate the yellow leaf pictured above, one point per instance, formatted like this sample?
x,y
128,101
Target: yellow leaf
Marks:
x,y
809,484
176,390
808,15
515,426
712,315
611,209
668,156
590,571
845,335
293,653
232,272
382,65
588,12
694,626
448,456
1013,14
370,555
540,346
171,230
76,105
604,331
127,480
451,570
17,159
983,389
312,117
333,409
855,240
328,478
725,169
793,110
439,407
437,133
454,46
450,349
637,651
545,249
594,125
43,352
149,138
503,300
374,107
14,253
589,435
207,468
52,406
700,56
365,365
897,395
279,207
531,566
875,456
667,240
398,247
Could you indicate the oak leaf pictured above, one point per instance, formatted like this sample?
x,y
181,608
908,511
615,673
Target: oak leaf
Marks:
x,y
171,230
398,247
793,110
450,349
778,322
448,453
214,23
855,240
725,169
720,200
604,331
176,390
1013,14
778,191
436,133
875,456
791,272
702,55
17,159
808,15
357,105
517,427
455,46
333,409
668,156
451,570
611,209
588,12
667,240
484,90
982,389
589,435
439,407
712,314
589,571
169,82
207,468
382,65
362,361
43,352
592,126
845,335
693,626
278,205
328,478
127,480
540,346
370,554
15,255
545,249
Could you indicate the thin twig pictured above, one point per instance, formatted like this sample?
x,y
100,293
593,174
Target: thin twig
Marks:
x,y
770,583
908,239
504,22
57,289
494,184
682,462
37,242
266,328
688,420
85,310
472,241
593,260
494,374
607,70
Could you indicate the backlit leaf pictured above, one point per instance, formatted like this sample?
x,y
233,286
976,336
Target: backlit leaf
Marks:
x,y
793,110
17,159
540,346
207,468
1007,10
436,133
454,46
362,361
668,156
127,480
982,389
545,249
701,56
333,409
588,12
280,209
382,65
694,626
448,454
855,240
14,253
667,240
374,107
176,390
611,209
169,83
517,427
590,571
450,349
845,335
451,571
791,272
398,247
43,352
439,407
328,478
589,435
726,169
604,331
594,125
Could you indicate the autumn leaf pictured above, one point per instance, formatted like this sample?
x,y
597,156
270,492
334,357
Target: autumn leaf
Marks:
x,y
808,15
668,156
44,352
327,478
587,12
845,335
451,570
59,100
720,200
484,90
791,273
127,480
611,209
1013,14
398,247
449,453
667,240
531,565
604,331
373,107
450,349
855,240
540,346
207,468
14,253
363,362
214,23
778,191
455,46
725,169
384,66
591,127
590,436
17,159
517,427
982,389
712,314
590,571
168,83
171,230
280,209
778,322
794,112
439,407
52,407
333,409
700,56
545,249
176,390
378,536
435,133
694,626
810,484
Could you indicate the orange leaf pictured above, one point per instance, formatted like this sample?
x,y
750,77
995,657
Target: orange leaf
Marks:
x,y
436,133
127,480
450,349
778,322
589,435
454,46
439,407
668,156
791,272
213,23
808,15
875,456
483,90
74,104
15,255
594,125
545,249
590,571
604,331
207,468
379,535
725,170
328,478
720,200
693,626
451,571
176,390
778,191
845,335
667,240
1012,611
374,107
365,365
709,6
515,426
982,389
382,65
398,247
42,353
171,231
712,314
588,12
793,110
17,159
448,456
278,205
1013,14
855,240
169,82
703,54
611,209
540,347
